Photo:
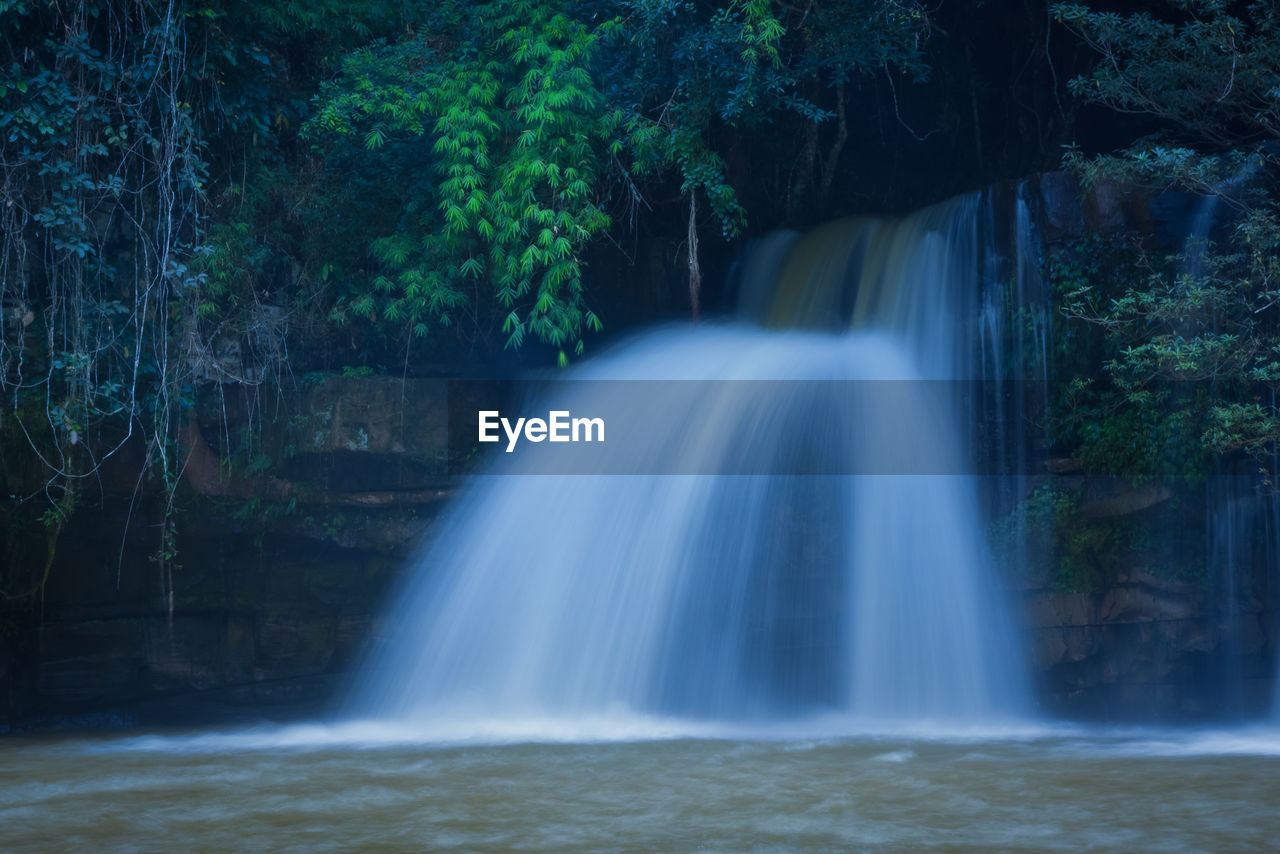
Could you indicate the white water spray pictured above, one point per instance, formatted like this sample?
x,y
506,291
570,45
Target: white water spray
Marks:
x,y
738,597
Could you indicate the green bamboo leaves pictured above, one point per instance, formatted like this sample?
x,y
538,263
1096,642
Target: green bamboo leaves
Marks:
x,y
519,139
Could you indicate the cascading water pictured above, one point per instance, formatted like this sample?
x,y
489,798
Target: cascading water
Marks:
x,y
1242,555
1231,514
1013,332
1242,522
711,584
1272,515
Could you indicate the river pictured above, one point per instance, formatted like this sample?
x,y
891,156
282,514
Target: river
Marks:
x,y
318,788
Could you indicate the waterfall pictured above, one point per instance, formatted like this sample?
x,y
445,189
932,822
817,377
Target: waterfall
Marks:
x,y
794,534
1242,554
1272,551
1242,523
1231,515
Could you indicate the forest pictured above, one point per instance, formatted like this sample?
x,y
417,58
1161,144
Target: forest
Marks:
x,y
242,193
212,199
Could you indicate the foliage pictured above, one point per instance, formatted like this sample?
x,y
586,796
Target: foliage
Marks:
x,y
1189,342
119,123
104,170
190,192
1051,537
521,139
538,120
1212,73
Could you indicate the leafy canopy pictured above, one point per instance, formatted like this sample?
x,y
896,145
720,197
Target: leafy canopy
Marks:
x,y
520,142
1208,73
537,119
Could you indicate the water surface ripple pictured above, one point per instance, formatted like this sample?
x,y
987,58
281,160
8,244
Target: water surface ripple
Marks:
x,y
353,789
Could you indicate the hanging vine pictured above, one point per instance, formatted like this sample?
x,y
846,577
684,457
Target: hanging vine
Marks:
x,y
101,214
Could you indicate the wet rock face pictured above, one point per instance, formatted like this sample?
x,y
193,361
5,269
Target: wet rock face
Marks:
x,y
1148,649
1063,216
250,616
1107,208
278,579
372,415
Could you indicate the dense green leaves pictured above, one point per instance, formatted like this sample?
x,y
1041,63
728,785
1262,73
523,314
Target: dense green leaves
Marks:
x,y
534,119
193,193
1192,342
1210,68
120,124
519,137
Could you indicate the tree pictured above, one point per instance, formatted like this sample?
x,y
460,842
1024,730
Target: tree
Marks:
x,y
536,119
520,139
121,124
1209,76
